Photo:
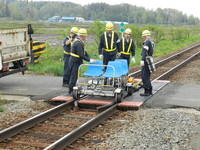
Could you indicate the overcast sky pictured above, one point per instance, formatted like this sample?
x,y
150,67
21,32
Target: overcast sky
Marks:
x,y
186,6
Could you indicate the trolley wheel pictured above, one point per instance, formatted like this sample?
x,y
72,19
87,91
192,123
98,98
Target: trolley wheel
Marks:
x,y
118,97
76,95
130,90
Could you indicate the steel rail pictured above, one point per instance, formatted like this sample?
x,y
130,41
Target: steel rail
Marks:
x,y
161,62
13,130
80,131
177,67
84,128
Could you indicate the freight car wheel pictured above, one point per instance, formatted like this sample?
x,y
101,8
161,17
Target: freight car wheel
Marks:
x,y
76,95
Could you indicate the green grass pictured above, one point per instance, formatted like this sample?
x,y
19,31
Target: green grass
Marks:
x,y
166,46
1,109
51,62
14,24
1,103
47,31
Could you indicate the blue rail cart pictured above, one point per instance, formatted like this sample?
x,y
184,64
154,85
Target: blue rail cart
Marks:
x,y
104,80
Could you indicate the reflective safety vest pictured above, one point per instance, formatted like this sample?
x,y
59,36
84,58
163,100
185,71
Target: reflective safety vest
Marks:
x,y
68,53
73,54
129,47
112,41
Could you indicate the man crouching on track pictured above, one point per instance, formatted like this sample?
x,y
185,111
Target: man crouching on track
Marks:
x,y
146,63
78,54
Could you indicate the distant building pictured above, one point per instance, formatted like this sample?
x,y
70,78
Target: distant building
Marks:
x,y
80,19
54,19
115,22
65,19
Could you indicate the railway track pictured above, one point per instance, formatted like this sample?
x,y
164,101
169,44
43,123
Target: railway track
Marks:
x,y
58,127
53,129
171,64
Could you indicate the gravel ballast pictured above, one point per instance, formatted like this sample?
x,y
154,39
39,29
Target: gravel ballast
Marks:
x,y
16,111
155,129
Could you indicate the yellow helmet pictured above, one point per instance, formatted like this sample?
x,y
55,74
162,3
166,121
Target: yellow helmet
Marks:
x,y
82,32
109,26
128,31
146,33
74,30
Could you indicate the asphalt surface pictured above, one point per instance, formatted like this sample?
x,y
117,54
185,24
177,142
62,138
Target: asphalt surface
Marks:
x,y
176,95
36,87
47,87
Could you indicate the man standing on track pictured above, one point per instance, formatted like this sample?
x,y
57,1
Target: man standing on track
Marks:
x,y
78,54
126,47
108,44
147,52
67,50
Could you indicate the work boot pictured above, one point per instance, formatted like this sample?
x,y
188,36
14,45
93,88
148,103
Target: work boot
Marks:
x,y
65,85
150,91
146,93
70,91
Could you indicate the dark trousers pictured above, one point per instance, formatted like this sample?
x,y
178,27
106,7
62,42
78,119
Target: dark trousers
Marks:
x,y
107,58
73,74
66,66
127,58
146,77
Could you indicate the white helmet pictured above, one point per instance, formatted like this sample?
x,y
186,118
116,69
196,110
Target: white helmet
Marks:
x,y
128,31
146,33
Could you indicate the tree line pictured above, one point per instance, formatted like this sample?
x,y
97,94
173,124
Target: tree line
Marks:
x,y
28,9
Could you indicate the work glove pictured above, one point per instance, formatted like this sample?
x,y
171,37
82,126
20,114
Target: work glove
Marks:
x,y
118,55
142,63
101,56
92,60
133,59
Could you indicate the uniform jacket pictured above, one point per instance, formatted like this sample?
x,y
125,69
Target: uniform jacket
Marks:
x,y
126,46
78,49
147,49
102,44
67,48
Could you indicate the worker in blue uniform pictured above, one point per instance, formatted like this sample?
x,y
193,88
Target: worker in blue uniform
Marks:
x,y
147,50
108,44
78,54
67,43
126,47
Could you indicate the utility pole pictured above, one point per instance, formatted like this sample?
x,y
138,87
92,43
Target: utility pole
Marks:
x,y
28,9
